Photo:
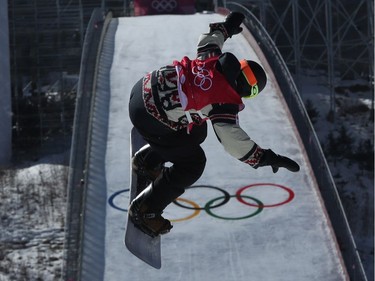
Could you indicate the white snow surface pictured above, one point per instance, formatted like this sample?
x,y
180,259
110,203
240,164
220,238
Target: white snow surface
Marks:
x,y
292,241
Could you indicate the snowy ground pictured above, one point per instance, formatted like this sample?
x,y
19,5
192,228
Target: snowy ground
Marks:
x,y
33,206
33,198
355,184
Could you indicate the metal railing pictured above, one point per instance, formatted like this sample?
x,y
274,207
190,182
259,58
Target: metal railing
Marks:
x,y
78,158
313,149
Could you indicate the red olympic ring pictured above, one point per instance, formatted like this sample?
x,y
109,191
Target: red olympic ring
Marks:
x,y
240,197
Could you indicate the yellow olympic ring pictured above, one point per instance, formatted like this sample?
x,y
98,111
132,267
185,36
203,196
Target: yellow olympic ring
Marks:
x,y
196,210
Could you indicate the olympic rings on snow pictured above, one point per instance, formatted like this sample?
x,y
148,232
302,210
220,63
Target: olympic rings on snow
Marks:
x,y
218,201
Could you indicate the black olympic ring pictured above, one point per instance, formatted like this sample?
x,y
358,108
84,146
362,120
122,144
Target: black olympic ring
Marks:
x,y
208,208
164,5
226,198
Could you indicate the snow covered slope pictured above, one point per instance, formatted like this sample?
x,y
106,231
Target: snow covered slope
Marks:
x,y
226,239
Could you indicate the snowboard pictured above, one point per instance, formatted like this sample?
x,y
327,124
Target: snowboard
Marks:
x,y
141,245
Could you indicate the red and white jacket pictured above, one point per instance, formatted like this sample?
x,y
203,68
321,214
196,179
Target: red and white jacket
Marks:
x,y
188,93
200,84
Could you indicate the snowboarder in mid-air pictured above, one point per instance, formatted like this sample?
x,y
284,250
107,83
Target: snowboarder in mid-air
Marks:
x,y
169,107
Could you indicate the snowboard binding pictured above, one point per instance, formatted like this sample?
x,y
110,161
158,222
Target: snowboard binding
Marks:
x,y
150,222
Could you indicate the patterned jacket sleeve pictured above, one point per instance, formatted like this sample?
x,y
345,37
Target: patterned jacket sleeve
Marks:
x,y
210,40
234,139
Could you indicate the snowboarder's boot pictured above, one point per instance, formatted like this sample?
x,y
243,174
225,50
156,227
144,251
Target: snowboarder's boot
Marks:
x,y
149,221
146,163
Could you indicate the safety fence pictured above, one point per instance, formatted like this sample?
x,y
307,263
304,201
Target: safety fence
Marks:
x,y
80,145
311,143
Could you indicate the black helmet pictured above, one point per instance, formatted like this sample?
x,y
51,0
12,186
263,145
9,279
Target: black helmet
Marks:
x,y
254,76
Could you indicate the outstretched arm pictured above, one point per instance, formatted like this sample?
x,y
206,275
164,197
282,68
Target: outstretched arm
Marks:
x,y
237,143
211,43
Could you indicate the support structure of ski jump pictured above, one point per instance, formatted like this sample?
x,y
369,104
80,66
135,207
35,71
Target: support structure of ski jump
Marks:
x,y
235,222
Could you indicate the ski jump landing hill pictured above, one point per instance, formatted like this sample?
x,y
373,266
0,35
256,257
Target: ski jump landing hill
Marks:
x,y
235,223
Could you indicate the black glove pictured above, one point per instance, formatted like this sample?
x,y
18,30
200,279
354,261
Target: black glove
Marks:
x,y
231,26
270,158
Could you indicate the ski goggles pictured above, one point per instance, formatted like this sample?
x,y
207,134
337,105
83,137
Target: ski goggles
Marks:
x,y
250,78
